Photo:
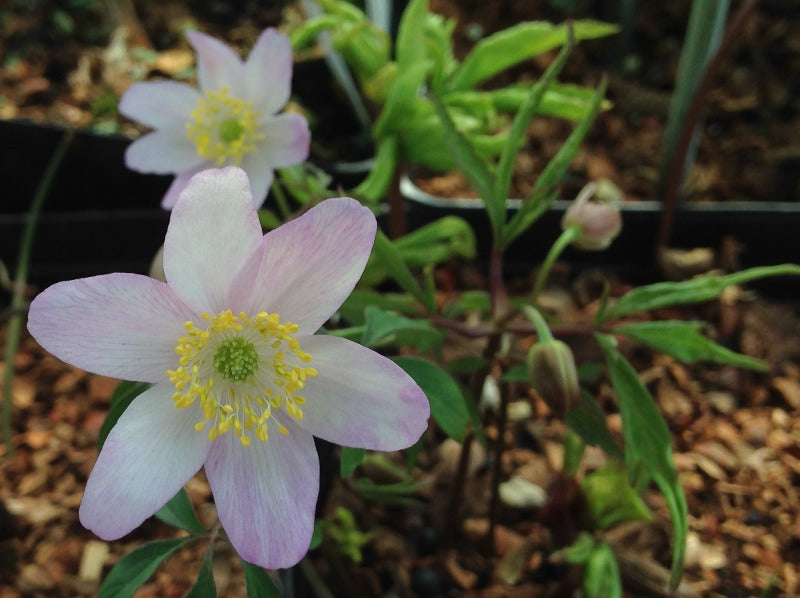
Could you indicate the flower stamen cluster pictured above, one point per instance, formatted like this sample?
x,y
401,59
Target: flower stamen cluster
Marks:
x,y
223,128
239,369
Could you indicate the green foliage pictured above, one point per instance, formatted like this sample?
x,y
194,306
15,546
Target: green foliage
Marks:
x,y
385,328
341,527
391,260
398,494
601,577
350,459
123,396
258,582
610,497
137,566
588,421
204,587
180,513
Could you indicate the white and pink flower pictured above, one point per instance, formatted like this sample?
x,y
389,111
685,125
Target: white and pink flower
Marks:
x,y
231,120
241,383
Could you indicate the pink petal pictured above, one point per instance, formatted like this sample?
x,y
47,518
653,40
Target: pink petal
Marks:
x,y
217,64
159,104
311,264
213,231
151,452
261,175
360,398
162,152
286,140
268,72
118,325
265,495
179,184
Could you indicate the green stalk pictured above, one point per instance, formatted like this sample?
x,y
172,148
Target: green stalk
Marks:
x,y
563,241
21,280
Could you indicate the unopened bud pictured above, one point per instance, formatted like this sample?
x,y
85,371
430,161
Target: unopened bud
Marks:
x,y
595,213
551,370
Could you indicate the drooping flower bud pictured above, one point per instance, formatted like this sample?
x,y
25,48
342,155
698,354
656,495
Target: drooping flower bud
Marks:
x,y
551,370
595,214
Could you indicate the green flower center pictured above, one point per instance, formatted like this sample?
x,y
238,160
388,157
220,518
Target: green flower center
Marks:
x,y
236,359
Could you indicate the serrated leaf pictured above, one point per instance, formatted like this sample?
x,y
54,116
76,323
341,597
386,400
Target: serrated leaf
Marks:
x,y
703,288
137,566
684,342
648,443
511,46
180,513
122,397
259,583
384,327
448,405
204,587
350,459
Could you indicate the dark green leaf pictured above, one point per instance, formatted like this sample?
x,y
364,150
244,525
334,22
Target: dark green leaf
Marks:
x,y
702,288
601,578
448,406
684,342
137,566
351,458
400,493
316,536
392,261
588,421
468,364
516,373
122,397
384,327
204,586
269,220
180,513
648,443
259,583
354,307
475,301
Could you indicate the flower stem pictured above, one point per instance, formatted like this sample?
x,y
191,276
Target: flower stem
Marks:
x,y
21,279
563,241
280,201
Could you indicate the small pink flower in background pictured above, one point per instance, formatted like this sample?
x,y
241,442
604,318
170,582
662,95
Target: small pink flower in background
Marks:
x,y
241,382
230,120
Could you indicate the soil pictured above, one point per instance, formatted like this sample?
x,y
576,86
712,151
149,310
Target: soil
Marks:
x,y
736,434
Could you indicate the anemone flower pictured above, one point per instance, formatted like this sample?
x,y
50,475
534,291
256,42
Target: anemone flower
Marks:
x,y
241,383
230,120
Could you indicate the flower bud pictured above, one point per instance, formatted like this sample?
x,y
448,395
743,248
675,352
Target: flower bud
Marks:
x,y
595,213
551,370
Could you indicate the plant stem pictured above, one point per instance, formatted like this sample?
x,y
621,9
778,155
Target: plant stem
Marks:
x,y
497,286
497,473
563,241
21,280
397,216
280,200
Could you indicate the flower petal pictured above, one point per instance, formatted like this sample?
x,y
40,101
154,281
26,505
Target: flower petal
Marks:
x,y
118,325
360,398
311,264
179,184
151,452
261,175
162,151
265,495
217,64
212,232
286,140
159,103
268,72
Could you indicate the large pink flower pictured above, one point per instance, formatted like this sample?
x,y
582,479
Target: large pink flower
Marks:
x,y
241,383
231,120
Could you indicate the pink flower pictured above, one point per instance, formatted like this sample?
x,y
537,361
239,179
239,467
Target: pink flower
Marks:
x,y
241,382
231,120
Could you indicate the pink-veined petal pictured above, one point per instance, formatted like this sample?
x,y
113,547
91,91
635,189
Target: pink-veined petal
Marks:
x,y
360,398
261,175
268,72
151,452
265,494
179,184
286,140
118,325
217,64
162,152
311,264
212,232
159,103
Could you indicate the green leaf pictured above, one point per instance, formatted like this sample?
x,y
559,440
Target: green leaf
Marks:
x,y
373,188
259,583
684,342
351,458
180,513
137,566
511,46
516,373
316,536
269,220
122,397
468,301
588,421
204,586
384,327
610,497
354,308
402,102
400,493
601,578
561,100
469,364
392,261
702,288
648,443
410,45
448,405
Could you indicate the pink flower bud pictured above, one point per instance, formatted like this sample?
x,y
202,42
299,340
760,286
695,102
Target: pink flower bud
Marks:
x,y
551,370
595,213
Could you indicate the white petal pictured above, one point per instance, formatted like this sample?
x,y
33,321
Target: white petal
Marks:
x,y
261,176
265,495
162,152
119,325
179,184
268,72
286,140
217,64
159,104
213,231
151,452
360,398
